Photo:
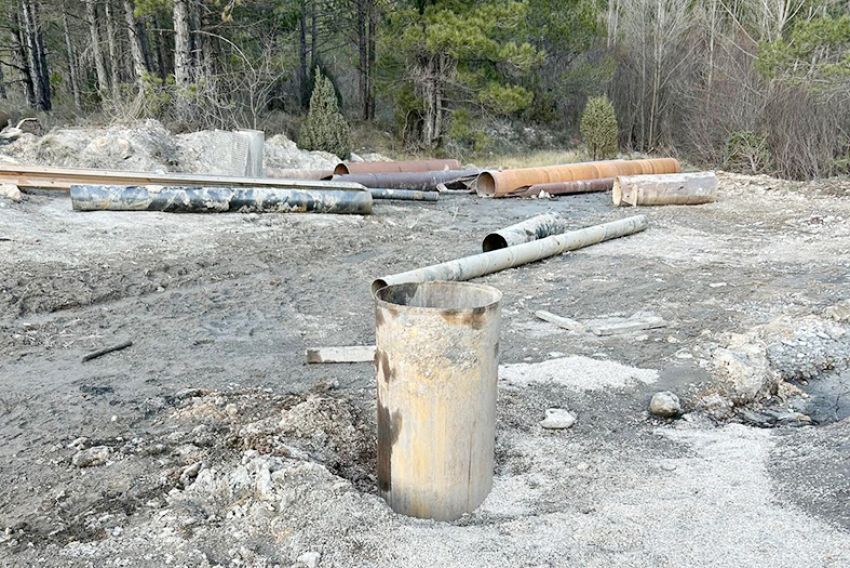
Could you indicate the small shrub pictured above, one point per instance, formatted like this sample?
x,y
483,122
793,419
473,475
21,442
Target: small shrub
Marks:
x,y
599,128
325,127
747,152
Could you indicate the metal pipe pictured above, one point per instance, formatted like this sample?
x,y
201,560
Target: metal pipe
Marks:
x,y
489,262
396,166
218,199
437,359
672,189
529,230
426,181
566,187
291,174
403,194
501,183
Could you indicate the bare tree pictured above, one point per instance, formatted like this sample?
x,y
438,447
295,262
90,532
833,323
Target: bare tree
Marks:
x,y
70,54
100,65
140,67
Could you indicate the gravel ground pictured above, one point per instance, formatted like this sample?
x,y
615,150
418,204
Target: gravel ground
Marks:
x,y
211,442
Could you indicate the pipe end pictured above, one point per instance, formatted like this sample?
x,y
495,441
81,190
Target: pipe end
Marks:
x,y
377,284
616,192
494,241
341,169
485,185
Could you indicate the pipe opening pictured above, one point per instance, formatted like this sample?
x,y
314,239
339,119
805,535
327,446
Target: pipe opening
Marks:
x,y
494,241
341,169
616,193
440,295
486,184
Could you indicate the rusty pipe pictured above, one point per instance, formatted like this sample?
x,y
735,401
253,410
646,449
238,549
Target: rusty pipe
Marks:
x,y
395,166
437,357
566,188
489,262
502,183
425,181
529,230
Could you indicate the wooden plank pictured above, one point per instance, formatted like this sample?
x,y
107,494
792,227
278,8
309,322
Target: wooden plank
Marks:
x,y
625,325
561,321
64,178
341,354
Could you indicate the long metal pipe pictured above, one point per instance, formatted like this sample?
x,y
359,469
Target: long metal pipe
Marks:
x,y
425,181
488,262
502,183
566,187
529,230
218,199
403,194
296,174
396,166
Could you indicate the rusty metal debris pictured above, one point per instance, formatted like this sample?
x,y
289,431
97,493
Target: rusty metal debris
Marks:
x,y
566,187
176,199
488,262
425,181
502,183
437,359
528,230
395,166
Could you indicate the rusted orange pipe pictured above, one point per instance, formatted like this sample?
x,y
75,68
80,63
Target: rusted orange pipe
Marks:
x,y
502,183
396,166
566,187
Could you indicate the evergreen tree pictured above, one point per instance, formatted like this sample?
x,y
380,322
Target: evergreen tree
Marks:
x,y
599,128
325,127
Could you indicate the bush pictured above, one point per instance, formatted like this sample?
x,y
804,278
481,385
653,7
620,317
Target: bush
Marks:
x,y
599,128
325,127
747,152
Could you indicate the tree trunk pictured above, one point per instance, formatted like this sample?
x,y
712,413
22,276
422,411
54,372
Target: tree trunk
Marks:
x,y
196,40
113,51
363,58
2,87
139,66
370,68
23,60
100,65
161,61
303,83
144,44
182,44
36,54
73,74
314,36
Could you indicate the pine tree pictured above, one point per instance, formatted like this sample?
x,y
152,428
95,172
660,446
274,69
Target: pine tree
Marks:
x,y
325,127
599,128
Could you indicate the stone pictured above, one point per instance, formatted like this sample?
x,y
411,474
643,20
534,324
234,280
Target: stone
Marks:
x,y
10,192
91,457
665,404
558,419
310,559
189,473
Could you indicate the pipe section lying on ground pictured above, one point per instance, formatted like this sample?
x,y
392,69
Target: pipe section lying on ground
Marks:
x,y
395,166
437,362
494,261
425,181
501,183
403,194
566,188
218,199
529,230
671,189
315,175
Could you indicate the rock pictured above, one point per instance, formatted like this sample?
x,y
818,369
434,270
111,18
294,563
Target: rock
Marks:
x,y
558,419
665,404
91,457
310,559
743,370
839,312
10,192
189,473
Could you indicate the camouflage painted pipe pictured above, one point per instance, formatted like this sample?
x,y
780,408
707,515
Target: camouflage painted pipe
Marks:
x,y
566,187
437,356
425,181
176,199
529,230
396,166
403,194
489,262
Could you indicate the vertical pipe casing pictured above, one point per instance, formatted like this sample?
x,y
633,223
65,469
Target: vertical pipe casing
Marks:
x,y
437,359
